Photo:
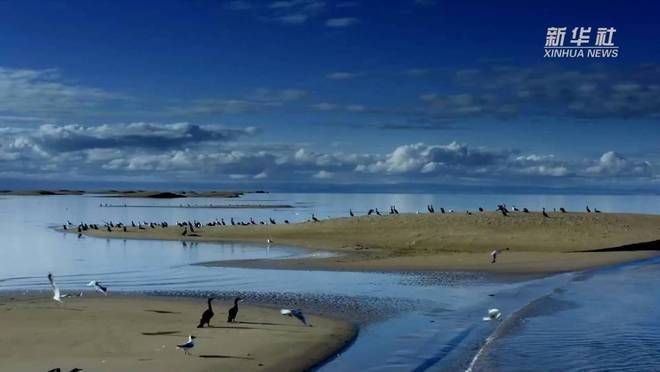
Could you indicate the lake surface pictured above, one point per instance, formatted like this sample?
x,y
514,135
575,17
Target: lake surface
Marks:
x,y
605,319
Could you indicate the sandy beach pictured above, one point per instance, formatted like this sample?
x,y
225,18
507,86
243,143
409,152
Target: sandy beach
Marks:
x,y
454,242
118,333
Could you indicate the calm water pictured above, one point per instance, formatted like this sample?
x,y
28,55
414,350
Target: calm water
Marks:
x,y
408,321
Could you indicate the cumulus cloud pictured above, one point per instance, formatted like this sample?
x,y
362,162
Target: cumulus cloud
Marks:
x,y
140,151
614,164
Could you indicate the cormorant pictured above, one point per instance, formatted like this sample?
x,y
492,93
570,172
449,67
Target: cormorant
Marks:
x,y
231,316
350,212
314,218
185,231
562,210
545,214
206,315
588,210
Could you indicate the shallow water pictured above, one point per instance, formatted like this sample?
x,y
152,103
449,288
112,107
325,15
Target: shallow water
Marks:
x,y
409,321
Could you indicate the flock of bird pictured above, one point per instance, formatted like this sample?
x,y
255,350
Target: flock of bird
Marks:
x,y
205,319
189,230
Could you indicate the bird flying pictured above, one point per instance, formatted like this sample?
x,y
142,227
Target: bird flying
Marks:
x,y
56,290
493,314
295,313
99,288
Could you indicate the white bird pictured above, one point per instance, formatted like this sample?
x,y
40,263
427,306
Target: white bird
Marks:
x,y
269,241
493,314
188,345
56,290
295,313
99,288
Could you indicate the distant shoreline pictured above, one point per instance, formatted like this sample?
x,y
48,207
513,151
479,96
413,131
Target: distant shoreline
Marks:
x,y
202,206
133,193
440,242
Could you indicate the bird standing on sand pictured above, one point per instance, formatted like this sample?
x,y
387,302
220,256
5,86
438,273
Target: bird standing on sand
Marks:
x,y
207,315
493,254
314,218
350,212
493,314
99,288
544,213
295,313
588,210
186,347
231,315
56,289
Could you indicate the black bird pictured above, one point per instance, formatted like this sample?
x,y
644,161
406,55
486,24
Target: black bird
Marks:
x,y
109,229
231,316
481,209
272,221
314,218
596,210
232,221
64,227
377,212
562,210
371,211
185,232
207,315
124,228
430,208
442,210
545,214
525,210
588,210
286,222
350,212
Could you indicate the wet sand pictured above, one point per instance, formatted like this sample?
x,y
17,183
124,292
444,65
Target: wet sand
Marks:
x,y
447,242
117,333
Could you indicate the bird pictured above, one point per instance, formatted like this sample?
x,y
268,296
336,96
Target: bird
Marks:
x,y
350,212
188,345
588,210
56,290
99,288
370,212
544,213
596,210
231,315
295,313
525,210
481,209
269,241
562,210
494,254
493,314
314,218
207,315
185,232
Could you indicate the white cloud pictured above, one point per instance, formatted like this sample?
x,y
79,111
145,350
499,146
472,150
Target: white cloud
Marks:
x,y
323,175
341,22
342,75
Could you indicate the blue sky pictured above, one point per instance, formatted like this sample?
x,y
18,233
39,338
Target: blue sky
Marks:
x,y
310,92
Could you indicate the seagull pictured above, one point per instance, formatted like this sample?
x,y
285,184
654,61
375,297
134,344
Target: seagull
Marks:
x,y
56,289
295,313
269,241
99,288
493,314
188,345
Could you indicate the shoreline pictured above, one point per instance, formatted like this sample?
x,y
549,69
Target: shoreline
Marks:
x,y
94,332
438,242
